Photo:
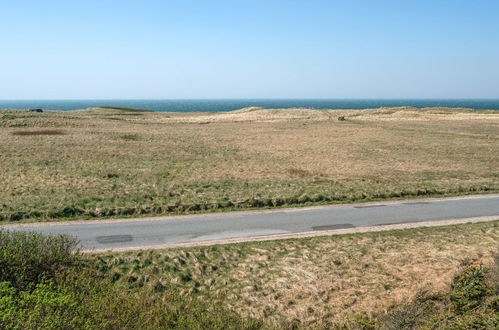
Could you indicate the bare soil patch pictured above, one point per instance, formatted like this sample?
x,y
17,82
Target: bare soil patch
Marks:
x,y
39,132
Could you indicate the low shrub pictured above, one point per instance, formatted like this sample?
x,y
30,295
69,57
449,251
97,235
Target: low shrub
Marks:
x,y
469,289
27,257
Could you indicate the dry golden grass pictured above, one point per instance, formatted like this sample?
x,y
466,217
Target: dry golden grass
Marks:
x,y
127,162
314,281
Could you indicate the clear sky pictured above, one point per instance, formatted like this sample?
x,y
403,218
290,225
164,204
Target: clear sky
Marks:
x,y
249,49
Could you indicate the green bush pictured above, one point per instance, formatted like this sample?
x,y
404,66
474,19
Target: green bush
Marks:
x,y
99,305
27,258
46,306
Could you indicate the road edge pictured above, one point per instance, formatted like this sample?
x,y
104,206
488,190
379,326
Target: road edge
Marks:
x,y
378,228
236,213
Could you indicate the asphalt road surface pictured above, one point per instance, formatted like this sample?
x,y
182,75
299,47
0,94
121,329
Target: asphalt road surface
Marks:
x,y
132,233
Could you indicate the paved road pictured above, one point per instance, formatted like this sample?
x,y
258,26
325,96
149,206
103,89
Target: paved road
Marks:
x,y
111,234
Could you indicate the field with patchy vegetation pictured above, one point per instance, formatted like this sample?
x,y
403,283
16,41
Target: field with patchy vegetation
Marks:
x,y
424,277
126,162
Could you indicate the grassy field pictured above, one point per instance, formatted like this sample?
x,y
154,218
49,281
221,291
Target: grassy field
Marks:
x,y
394,278
128,162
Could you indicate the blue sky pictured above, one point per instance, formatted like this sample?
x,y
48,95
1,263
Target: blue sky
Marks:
x,y
249,49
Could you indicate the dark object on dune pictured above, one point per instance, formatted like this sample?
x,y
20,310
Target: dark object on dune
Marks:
x,y
35,110
342,118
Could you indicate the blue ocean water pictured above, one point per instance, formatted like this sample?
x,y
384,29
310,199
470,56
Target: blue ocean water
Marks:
x,y
217,105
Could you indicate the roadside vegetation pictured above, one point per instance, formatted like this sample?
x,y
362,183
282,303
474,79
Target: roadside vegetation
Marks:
x,y
439,277
45,284
126,162
425,278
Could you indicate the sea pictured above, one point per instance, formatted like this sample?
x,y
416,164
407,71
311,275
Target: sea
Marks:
x,y
219,105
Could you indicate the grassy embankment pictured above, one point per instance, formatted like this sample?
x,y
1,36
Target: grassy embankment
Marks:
x,y
429,278
127,162
44,284
393,279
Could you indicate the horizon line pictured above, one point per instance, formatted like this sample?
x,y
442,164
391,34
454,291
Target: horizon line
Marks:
x,y
266,98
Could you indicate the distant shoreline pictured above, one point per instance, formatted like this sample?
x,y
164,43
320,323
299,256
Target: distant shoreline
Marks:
x,y
245,109
223,105
135,110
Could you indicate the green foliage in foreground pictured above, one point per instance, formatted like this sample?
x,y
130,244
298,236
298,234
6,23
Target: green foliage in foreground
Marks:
x,y
39,289
472,303
28,258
